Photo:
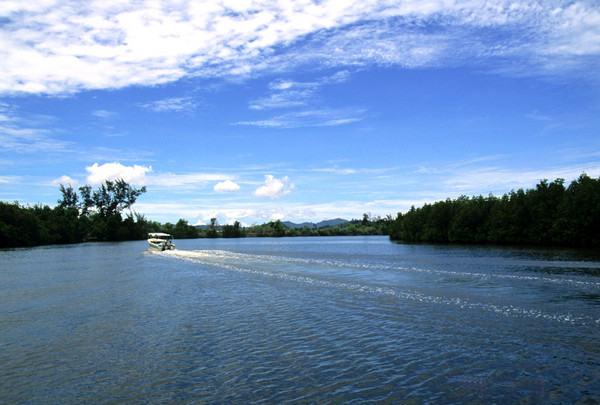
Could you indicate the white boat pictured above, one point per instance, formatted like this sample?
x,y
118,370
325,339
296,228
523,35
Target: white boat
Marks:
x,y
160,241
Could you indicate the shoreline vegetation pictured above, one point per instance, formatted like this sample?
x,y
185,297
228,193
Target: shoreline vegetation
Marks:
x,y
550,214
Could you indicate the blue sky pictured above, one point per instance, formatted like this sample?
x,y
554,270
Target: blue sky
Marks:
x,y
300,111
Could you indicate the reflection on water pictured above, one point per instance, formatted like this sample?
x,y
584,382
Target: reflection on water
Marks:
x,y
299,320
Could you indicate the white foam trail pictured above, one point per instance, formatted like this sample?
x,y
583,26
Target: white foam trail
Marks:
x,y
228,260
217,254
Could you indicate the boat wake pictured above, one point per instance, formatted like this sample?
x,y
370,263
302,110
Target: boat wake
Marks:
x,y
324,273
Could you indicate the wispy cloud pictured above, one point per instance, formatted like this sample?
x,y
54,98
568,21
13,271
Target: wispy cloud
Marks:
x,y
181,181
104,114
309,118
29,140
284,98
10,179
335,169
7,112
50,47
284,93
20,134
500,180
495,174
174,104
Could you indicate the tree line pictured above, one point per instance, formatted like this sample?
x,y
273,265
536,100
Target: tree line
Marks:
x,y
84,215
366,226
89,215
274,229
100,215
549,214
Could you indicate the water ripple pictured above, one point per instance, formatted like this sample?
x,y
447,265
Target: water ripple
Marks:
x,y
256,264
264,321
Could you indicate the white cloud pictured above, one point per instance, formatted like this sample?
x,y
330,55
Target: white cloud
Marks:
x,y
144,176
110,171
397,189
65,180
275,188
66,46
277,216
200,212
576,30
226,186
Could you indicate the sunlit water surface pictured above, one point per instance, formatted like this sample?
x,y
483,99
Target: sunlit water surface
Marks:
x,y
299,320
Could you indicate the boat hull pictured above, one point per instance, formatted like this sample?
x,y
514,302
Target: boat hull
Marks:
x,y
161,246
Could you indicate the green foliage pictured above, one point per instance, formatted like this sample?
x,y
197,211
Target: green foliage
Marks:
x,y
233,231
277,228
94,216
212,230
114,197
183,230
33,226
549,214
70,198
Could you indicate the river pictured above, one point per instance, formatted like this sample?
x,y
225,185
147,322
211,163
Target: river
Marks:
x,y
299,320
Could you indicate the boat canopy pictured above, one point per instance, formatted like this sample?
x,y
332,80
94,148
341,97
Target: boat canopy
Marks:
x,y
159,235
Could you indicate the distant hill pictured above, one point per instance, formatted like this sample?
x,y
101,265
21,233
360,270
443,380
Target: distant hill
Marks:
x,y
331,222
294,225
322,224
